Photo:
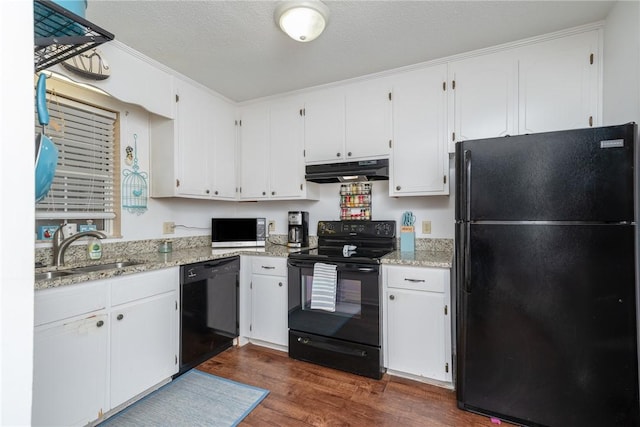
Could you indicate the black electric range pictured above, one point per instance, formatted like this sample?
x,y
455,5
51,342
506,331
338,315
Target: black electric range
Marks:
x,y
348,334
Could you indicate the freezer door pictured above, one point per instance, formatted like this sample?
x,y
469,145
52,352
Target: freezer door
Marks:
x,y
547,326
576,175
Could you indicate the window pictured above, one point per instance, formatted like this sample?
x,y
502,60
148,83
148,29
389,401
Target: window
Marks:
x,y
86,184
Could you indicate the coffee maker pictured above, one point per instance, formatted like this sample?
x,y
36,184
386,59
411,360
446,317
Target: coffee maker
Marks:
x,y
298,229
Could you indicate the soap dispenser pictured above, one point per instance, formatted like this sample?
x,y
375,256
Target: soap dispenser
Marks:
x,y
94,249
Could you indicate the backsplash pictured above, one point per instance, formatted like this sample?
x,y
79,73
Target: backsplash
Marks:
x,y
120,250
128,250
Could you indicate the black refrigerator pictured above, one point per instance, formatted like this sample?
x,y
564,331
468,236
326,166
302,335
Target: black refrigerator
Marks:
x,y
546,277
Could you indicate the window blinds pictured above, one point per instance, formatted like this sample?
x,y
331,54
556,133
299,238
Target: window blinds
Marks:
x,y
84,183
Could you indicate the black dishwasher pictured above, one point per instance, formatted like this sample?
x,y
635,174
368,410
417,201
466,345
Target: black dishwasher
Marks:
x,y
208,309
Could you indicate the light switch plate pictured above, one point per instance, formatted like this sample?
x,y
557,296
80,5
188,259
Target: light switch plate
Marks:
x,y
426,227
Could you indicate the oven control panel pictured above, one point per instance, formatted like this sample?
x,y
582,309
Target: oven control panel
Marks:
x,y
357,228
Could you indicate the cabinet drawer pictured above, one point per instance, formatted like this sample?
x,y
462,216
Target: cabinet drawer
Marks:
x,y
55,304
270,266
143,285
420,279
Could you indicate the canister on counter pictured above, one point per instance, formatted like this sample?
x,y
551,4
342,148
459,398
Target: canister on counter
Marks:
x,y
165,246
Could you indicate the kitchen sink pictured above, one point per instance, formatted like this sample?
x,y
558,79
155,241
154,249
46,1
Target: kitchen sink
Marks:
x,y
109,266
47,275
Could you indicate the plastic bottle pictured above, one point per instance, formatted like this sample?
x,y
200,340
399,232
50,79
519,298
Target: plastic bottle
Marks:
x,y
94,249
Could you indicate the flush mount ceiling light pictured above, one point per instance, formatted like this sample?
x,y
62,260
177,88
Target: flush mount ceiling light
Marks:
x,y
303,21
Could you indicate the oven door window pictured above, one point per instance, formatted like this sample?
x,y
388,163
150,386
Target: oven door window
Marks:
x,y
348,295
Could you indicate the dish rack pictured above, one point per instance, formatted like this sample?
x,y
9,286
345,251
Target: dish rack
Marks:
x,y
355,201
61,34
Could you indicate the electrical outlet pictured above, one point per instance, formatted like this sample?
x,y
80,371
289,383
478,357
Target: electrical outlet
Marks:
x,y
426,227
168,227
272,226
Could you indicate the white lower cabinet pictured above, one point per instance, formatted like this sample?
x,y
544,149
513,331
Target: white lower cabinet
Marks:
x,y
70,371
143,344
269,322
99,344
417,317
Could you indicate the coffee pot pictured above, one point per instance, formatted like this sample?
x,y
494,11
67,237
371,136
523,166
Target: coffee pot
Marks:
x,y
298,235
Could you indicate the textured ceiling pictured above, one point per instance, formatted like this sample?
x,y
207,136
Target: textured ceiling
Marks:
x,y
236,49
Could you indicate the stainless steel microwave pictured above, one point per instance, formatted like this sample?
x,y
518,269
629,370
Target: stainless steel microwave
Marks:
x,y
238,232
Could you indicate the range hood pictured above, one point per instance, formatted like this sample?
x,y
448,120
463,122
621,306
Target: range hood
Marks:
x,y
365,170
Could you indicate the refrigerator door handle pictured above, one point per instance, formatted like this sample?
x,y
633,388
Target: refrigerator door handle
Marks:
x,y
467,258
467,185
467,226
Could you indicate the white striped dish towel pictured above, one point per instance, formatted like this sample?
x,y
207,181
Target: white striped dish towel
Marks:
x,y
323,287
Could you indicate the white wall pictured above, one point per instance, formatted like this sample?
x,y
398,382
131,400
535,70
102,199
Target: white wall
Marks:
x,y
17,193
622,64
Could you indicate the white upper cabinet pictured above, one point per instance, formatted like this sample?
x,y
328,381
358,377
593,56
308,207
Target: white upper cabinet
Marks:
x,y
349,123
558,84
194,155
368,120
272,152
418,161
134,79
195,142
324,126
544,85
222,165
286,147
482,97
254,153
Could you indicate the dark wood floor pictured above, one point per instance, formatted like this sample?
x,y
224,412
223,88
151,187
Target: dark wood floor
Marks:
x,y
303,394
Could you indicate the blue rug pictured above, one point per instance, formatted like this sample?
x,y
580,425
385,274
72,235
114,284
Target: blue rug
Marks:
x,y
193,399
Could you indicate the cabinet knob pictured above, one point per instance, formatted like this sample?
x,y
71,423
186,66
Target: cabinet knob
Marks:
x,y
264,193
273,193
398,187
120,316
280,284
349,154
206,191
392,297
337,154
100,323
216,192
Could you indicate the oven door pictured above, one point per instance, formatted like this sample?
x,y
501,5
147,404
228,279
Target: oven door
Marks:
x,y
357,315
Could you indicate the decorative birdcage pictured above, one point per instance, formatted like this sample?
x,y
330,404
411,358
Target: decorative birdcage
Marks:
x,y
134,185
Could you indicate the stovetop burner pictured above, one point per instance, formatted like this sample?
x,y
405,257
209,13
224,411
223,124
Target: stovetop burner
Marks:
x,y
353,241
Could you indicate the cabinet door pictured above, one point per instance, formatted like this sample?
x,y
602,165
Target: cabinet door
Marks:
x,y
368,120
416,333
254,153
286,147
558,84
222,165
324,127
194,140
419,161
70,371
269,321
143,345
482,97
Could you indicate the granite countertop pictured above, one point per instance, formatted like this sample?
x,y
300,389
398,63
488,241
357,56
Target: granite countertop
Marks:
x,y
420,258
155,260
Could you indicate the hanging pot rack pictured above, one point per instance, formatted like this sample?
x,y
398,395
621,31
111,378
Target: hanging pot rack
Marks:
x,y
61,34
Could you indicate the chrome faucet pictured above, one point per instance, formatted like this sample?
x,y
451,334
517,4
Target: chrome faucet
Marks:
x,y
60,243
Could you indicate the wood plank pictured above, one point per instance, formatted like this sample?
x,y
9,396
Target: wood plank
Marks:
x,y
304,394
